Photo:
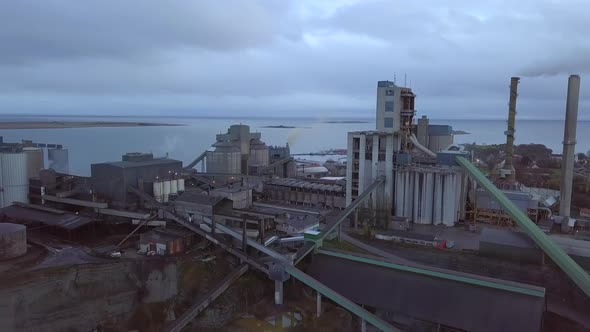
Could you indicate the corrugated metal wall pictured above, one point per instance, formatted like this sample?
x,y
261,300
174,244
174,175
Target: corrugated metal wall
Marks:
x,y
14,181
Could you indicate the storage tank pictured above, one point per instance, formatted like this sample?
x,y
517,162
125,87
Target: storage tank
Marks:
x,y
14,183
225,159
158,189
258,153
13,240
180,185
429,195
34,161
173,187
58,160
165,190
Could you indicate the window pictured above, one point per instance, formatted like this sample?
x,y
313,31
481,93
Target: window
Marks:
x,y
388,106
388,122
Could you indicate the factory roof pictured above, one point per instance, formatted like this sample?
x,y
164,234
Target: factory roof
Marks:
x,y
131,164
314,170
66,221
10,228
199,198
235,189
452,303
300,183
440,130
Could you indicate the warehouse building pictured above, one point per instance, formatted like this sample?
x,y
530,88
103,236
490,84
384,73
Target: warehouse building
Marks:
x,y
306,192
111,179
165,241
198,207
435,137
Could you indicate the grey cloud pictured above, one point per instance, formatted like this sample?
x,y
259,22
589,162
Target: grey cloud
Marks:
x,y
53,29
266,57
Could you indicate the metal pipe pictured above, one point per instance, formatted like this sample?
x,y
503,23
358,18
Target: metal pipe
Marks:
x,y
421,147
569,143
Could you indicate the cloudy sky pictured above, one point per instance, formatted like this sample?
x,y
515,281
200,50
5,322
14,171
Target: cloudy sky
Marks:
x,y
289,58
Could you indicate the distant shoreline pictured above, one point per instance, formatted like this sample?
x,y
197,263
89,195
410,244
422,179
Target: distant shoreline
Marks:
x,y
77,124
346,121
279,127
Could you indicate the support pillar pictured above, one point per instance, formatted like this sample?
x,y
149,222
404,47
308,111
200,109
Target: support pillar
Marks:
x,y
278,292
213,226
374,166
363,325
261,230
340,232
244,236
318,304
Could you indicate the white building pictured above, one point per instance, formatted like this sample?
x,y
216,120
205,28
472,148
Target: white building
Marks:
x,y
432,193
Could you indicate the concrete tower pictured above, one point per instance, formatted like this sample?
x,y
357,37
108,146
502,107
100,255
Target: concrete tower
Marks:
x,y
569,143
508,170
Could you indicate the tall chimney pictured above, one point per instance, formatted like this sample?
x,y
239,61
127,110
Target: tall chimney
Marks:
x,y
569,143
508,168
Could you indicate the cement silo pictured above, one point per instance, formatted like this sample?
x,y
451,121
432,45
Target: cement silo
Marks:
x,y
174,187
258,153
34,161
225,159
166,191
58,160
13,240
158,189
14,183
429,195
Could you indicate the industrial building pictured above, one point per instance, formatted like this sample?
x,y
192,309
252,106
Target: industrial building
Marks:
x,y
429,189
238,152
198,207
395,107
241,152
304,192
165,241
20,162
488,210
435,137
111,180
240,196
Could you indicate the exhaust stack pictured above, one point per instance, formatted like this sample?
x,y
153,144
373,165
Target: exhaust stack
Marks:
x,y
569,143
508,172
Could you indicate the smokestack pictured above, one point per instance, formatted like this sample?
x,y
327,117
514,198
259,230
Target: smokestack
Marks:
x,y
569,143
508,170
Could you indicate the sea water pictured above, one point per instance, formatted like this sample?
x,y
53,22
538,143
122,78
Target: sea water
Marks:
x,y
95,145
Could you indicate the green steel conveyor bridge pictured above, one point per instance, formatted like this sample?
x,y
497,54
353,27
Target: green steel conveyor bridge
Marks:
x,y
565,262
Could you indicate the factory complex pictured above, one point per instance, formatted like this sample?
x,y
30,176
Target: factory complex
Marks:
x,y
405,196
